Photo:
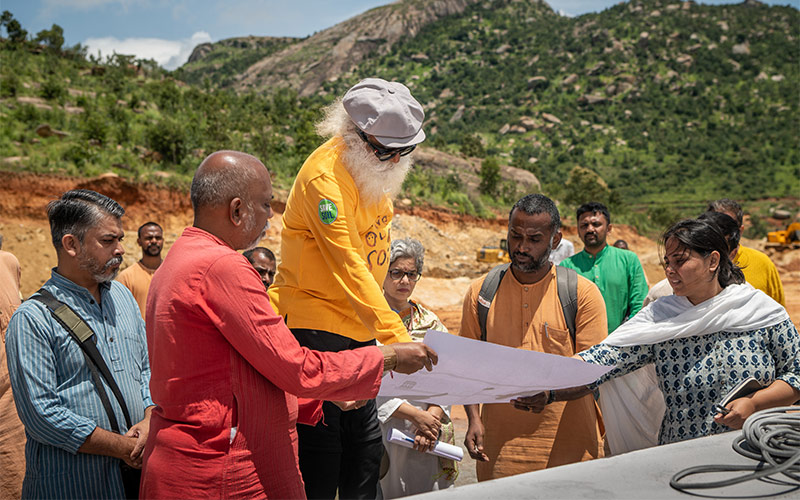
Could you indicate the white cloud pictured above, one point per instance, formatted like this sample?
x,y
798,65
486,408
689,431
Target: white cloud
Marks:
x,y
167,53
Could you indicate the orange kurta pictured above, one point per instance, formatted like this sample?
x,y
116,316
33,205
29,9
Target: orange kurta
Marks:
x,y
530,317
137,278
12,432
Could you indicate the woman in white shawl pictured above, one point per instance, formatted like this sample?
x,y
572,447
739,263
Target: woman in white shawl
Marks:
x,y
411,471
683,353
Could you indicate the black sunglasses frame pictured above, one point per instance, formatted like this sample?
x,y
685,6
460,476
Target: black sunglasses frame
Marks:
x,y
386,154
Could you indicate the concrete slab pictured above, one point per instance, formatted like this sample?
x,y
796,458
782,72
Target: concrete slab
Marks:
x,y
637,475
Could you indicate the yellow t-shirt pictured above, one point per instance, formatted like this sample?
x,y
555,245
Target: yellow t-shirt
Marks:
x,y
530,317
760,272
334,254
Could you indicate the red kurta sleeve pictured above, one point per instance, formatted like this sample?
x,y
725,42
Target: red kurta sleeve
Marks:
x,y
234,299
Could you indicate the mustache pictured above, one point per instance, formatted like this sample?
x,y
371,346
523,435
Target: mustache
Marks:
x,y
113,261
522,254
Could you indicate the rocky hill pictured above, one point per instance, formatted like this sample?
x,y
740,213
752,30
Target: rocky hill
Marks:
x,y
326,55
222,61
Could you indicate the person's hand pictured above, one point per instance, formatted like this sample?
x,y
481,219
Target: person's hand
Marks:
x,y
412,356
140,431
350,405
535,403
473,440
127,447
740,409
427,425
423,443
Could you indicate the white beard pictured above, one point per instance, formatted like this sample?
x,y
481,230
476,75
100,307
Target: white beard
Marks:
x,y
374,178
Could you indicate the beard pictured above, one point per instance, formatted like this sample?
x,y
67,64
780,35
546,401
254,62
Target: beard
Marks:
x,y
250,226
153,250
101,273
533,264
374,178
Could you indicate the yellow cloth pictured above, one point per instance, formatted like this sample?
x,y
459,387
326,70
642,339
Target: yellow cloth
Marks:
x,y
12,432
137,278
530,317
760,272
334,254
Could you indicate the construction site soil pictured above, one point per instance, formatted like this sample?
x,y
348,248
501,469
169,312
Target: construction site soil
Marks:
x,y
451,240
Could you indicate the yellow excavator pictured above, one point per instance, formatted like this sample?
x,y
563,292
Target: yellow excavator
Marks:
x,y
786,239
494,254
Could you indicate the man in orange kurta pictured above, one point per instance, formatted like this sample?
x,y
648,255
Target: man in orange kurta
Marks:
x,y
526,313
12,432
137,277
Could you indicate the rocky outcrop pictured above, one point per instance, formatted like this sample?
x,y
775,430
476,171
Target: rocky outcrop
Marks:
x,y
326,55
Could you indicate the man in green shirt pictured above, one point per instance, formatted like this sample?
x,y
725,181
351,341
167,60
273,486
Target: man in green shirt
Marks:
x,y
616,272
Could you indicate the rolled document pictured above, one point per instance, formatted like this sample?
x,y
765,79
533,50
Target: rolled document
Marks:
x,y
443,450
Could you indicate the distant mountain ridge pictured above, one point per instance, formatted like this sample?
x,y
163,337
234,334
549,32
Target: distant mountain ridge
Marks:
x,y
305,65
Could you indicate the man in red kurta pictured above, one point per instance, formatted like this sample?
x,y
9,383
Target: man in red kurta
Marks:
x,y
225,369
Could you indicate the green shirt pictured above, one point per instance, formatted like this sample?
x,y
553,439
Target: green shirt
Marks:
x,y
619,276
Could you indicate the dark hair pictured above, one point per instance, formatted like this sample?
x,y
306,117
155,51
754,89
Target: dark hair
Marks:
x,y
533,204
726,224
266,251
704,236
77,211
139,232
621,244
726,205
594,207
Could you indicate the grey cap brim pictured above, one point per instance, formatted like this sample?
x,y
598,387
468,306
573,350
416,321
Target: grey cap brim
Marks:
x,y
401,142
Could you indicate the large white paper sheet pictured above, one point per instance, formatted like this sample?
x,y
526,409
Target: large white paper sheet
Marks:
x,y
472,371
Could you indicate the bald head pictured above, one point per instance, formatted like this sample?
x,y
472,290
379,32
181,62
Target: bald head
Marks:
x,y
223,176
231,194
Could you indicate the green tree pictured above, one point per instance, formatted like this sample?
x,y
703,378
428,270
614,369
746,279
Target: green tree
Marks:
x,y
53,38
583,186
490,176
14,30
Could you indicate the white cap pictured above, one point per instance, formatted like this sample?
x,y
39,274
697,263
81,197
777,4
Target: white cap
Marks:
x,y
387,111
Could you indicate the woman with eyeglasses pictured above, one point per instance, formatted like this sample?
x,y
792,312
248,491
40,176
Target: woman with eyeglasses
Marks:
x,y
412,471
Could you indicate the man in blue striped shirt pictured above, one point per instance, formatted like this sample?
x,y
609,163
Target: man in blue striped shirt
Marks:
x,y
70,451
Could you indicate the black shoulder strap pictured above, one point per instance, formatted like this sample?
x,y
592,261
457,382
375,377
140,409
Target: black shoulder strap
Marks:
x,y
567,281
487,293
82,333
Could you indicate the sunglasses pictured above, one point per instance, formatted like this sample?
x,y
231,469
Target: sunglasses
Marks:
x,y
385,154
397,275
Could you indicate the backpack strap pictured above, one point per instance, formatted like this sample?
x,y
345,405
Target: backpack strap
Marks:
x,y
487,293
82,334
567,282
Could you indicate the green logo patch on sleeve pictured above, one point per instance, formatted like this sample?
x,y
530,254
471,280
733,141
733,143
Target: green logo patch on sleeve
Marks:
x,y
327,211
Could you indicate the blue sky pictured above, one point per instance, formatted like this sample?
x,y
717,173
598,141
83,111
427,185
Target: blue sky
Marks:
x,y
168,30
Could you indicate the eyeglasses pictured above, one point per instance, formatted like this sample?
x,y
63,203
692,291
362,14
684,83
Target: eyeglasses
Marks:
x,y
397,275
385,154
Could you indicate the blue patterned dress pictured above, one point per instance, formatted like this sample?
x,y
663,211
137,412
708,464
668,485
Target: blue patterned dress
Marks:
x,y
696,372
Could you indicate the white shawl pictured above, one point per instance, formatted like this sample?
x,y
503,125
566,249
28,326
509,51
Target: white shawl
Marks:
x,y
633,405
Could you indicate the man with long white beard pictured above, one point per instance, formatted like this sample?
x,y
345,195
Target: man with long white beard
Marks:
x,y
335,253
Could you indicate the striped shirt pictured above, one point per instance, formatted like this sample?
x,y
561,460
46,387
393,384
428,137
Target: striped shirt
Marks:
x,y
56,397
